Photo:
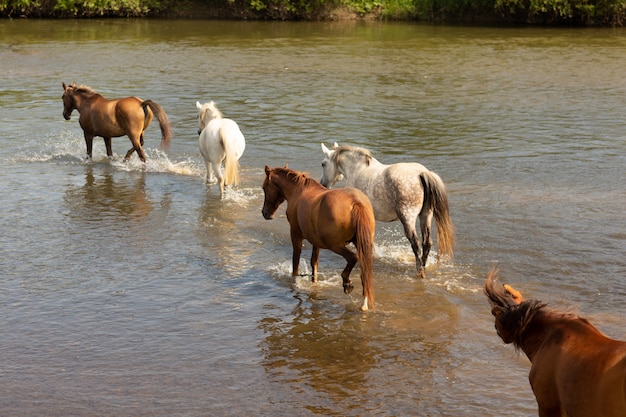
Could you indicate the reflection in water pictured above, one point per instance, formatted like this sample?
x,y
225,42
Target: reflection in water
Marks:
x,y
223,230
335,359
333,356
103,197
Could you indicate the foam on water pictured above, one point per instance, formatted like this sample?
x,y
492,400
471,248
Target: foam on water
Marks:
x,y
67,148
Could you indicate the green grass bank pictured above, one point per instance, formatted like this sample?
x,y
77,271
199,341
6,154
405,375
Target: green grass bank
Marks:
x,y
530,12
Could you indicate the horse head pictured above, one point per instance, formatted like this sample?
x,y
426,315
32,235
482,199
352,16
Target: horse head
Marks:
x,y
206,113
274,196
504,300
330,169
69,102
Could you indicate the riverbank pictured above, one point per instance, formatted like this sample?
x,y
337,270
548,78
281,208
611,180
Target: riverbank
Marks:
x,y
481,12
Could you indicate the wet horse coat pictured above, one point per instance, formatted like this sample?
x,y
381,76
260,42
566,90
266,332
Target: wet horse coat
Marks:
x,y
577,371
128,116
328,219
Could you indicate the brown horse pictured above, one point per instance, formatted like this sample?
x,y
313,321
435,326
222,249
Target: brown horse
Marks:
x,y
576,371
328,219
128,116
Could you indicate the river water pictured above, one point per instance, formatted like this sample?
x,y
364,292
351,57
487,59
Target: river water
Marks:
x,y
133,290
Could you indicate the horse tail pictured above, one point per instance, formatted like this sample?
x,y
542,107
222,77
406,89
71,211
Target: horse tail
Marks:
x,y
164,122
364,223
436,198
231,162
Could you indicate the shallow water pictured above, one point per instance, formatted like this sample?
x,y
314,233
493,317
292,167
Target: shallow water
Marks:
x,y
133,290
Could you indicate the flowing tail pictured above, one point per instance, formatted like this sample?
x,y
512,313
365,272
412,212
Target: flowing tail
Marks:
x,y
164,122
363,221
231,162
436,197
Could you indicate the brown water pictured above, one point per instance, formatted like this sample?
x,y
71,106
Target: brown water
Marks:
x,y
132,290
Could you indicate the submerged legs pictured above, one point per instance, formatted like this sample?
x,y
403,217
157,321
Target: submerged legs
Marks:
x,y
107,144
408,222
345,274
315,257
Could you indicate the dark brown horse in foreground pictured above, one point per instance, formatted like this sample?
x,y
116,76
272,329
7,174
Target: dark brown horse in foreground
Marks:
x,y
128,116
576,370
328,219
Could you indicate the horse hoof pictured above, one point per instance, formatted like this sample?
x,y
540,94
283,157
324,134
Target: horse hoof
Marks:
x,y
348,288
421,273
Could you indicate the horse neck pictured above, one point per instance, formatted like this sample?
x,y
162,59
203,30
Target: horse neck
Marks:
x,y
358,164
292,189
83,100
553,328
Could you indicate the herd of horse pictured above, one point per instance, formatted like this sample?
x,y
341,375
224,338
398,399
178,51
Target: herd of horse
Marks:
x,y
576,370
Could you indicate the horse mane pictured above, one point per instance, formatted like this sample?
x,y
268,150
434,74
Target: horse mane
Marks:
x,y
518,319
215,112
300,178
515,318
343,149
85,89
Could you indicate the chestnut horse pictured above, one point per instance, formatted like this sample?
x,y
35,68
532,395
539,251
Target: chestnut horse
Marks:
x,y
328,219
576,371
128,116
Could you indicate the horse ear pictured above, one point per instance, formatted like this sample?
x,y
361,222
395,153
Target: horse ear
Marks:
x,y
198,105
325,150
368,159
267,170
336,145
286,166
64,86
516,295
74,84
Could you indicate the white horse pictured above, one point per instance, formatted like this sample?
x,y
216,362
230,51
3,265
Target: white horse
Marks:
x,y
221,141
403,191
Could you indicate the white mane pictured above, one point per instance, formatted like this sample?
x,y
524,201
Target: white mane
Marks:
x,y
207,112
361,152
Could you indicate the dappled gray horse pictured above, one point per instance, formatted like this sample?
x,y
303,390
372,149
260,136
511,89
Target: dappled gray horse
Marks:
x,y
403,191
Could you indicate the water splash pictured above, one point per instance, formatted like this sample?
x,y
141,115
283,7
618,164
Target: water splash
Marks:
x,y
66,148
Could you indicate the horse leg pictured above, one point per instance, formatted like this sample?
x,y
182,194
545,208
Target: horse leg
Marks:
x,y
408,222
136,141
220,177
345,274
107,144
427,239
315,257
210,176
296,243
89,144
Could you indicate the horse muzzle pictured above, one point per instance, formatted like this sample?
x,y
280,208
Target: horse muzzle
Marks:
x,y
267,215
67,116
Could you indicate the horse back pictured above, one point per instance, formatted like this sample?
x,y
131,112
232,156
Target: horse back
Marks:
x,y
230,132
390,187
580,372
112,118
325,216
130,112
